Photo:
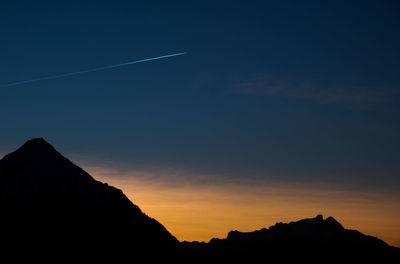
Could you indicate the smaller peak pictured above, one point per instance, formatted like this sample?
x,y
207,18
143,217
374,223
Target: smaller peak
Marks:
x,y
332,221
330,218
233,234
319,217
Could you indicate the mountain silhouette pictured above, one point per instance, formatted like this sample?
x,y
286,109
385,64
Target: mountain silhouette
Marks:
x,y
52,210
50,205
313,240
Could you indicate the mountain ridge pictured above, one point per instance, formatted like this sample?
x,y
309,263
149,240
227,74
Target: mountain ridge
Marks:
x,y
310,239
44,195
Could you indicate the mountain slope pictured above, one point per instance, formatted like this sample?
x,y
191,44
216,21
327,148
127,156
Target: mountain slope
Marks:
x,y
44,195
312,240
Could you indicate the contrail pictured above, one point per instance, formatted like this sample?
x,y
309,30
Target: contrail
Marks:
x,y
92,70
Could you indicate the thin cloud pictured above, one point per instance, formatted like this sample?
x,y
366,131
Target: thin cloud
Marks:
x,y
316,91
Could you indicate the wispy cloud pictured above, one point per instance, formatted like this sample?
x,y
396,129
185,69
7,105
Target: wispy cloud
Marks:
x,y
314,90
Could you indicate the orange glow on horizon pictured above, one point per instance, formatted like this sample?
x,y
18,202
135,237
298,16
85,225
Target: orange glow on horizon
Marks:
x,y
199,212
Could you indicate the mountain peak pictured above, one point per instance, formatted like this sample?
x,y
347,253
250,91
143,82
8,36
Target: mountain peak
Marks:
x,y
37,155
36,144
36,140
37,170
319,217
43,194
332,221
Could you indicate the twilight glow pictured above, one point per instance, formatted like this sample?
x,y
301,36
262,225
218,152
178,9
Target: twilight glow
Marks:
x,y
283,110
196,212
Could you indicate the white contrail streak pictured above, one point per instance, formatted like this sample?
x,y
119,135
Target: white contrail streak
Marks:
x,y
91,70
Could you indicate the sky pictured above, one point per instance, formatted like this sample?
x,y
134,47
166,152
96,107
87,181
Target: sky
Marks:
x,y
279,110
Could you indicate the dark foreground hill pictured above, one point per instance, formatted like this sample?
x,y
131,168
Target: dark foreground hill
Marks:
x,y
52,210
49,205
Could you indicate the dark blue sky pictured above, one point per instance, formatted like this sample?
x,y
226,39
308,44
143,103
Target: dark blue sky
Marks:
x,y
294,91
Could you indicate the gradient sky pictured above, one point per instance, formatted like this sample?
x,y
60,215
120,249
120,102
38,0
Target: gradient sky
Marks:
x,y
271,93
